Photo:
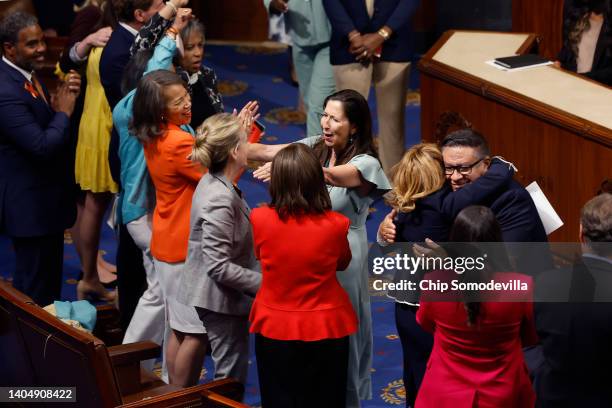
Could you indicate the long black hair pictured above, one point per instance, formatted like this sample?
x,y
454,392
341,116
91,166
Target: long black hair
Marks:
x,y
150,104
357,111
478,224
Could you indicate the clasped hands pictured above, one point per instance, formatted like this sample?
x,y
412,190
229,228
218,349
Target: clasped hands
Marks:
x,y
365,47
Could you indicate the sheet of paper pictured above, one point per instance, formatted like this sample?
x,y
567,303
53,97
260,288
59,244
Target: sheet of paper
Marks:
x,y
548,215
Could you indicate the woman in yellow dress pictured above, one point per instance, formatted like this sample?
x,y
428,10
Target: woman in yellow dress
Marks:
x,y
92,173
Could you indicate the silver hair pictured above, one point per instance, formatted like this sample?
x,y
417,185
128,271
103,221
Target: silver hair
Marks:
x,y
12,24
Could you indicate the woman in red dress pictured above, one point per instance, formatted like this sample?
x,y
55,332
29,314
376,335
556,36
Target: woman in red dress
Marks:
x,y
477,358
301,315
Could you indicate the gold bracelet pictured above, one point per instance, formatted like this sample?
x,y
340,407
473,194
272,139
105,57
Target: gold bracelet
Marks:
x,y
172,30
384,34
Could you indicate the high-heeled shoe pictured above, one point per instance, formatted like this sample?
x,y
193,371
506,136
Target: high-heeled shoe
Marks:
x,y
95,292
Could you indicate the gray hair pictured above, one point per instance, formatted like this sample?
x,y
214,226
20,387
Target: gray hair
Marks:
x,y
193,25
596,221
12,24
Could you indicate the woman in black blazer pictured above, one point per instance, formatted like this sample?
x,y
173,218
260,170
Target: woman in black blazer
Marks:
x,y
425,206
584,21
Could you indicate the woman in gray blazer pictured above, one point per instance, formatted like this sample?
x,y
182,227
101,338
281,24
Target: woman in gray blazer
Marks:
x,y
221,275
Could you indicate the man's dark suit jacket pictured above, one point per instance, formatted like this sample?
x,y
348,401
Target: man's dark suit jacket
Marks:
x,y
348,15
115,57
517,214
576,337
513,208
36,166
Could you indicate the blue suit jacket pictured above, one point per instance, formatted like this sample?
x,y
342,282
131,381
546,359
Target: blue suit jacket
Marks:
x,y
115,57
36,162
517,215
348,15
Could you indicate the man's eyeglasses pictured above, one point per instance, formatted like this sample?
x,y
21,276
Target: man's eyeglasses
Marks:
x,y
463,170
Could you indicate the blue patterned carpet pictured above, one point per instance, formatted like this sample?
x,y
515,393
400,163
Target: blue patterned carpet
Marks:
x,y
248,73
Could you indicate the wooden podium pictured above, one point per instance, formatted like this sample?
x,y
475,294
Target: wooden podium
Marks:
x,y
554,125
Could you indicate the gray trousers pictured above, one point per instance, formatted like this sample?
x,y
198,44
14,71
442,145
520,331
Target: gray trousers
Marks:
x,y
228,337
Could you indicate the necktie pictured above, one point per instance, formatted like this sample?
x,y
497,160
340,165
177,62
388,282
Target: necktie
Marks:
x,y
39,88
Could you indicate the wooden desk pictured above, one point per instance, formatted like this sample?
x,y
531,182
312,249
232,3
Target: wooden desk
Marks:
x,y
554,125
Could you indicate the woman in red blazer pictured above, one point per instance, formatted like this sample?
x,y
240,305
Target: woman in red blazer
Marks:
x,y
477,358
301,315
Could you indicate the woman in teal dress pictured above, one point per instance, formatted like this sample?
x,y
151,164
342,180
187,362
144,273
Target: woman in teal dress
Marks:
x,y
354,178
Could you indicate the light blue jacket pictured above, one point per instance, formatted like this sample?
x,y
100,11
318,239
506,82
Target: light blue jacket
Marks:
x,y
137,196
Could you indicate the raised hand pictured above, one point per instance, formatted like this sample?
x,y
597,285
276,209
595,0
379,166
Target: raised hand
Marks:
x,y
264,172
183,15
248,114
100,37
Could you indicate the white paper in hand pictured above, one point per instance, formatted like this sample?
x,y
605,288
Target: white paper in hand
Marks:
x,y
547,213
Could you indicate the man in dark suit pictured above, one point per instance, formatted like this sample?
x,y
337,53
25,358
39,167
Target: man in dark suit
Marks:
x,y
576,330
371,43
132,15
466,158
36,170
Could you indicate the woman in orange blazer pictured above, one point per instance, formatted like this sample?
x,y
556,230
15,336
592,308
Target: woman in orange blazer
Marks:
x,y
162,112
477,358
301,315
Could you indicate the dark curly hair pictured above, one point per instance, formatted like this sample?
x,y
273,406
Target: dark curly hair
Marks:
x,y
576,20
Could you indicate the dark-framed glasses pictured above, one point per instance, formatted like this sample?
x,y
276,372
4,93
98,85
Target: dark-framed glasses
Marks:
x,y
463,170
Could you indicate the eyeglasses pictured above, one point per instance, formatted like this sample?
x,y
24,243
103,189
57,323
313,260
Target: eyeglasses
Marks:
x,y
463,170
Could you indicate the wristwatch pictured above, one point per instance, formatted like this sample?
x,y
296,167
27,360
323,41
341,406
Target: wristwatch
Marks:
x,y
384,34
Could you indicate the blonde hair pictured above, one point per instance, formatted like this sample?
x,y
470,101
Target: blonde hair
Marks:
x,y
417,175
215,139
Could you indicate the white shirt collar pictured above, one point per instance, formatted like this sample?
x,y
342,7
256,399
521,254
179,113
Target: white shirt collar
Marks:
x,y
26,74
132,30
